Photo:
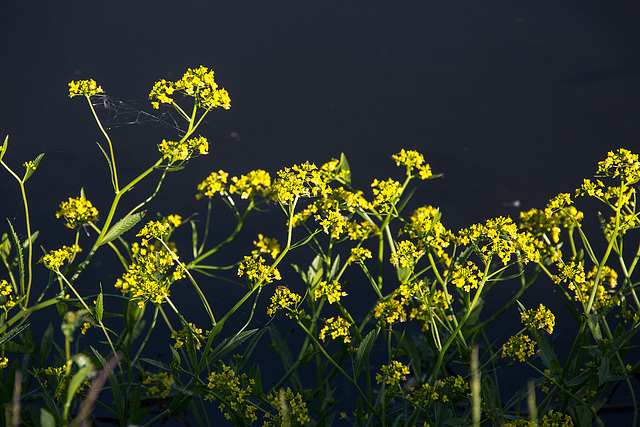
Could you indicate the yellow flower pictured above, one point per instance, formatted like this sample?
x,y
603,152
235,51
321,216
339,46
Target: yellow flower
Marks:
x,y
266,245
257,271
390,311
336,327
77,211
542,318
407,254
520,347
84,87
333,291
284,298
4,362
359,254
467,277
215,183
413,160
197,83
56,258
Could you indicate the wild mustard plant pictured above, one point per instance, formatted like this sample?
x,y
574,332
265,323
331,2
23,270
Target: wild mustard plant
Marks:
x,y
400,344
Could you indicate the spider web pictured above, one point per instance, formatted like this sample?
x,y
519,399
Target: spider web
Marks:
x,y
115,113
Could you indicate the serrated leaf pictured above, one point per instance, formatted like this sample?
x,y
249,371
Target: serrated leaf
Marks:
x,y
229,344
122,226
179,402
113,382
363,351
76,381
157,364
12,333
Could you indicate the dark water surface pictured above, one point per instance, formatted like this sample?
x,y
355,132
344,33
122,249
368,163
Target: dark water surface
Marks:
x,y
510,100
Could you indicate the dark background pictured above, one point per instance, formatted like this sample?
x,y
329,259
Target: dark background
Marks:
x,y
511,100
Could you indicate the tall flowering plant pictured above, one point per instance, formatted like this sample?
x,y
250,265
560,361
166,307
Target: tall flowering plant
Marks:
x,y
390,306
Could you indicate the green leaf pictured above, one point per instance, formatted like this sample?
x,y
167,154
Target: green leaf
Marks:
x,y
363,351
404,273
157,364
547,355
345,171
592,321
251,347
12,333
3,149
604,373
180,402
402,203
335,267
30,171
99,309
46,419
19,258
229,344
122,226
76,381
115,386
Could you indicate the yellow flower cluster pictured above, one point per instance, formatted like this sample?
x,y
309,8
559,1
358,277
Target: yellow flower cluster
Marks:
x,y
197,83
427,303
407,254
542,318
7,301
386,194
54,378
284,298
77,211
216,183
520,347
183,150
235,389
336,327
84,87
572,273
333,223
559,203
500,237
393,374
184,335
57,257
333,291
556,419
257,271
158,229
413,160
255,183
390,311
4,362
158,384
358,254
467,278
425,226
621,163
302,181
149,275
452,388
285,401
605,297
265,245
